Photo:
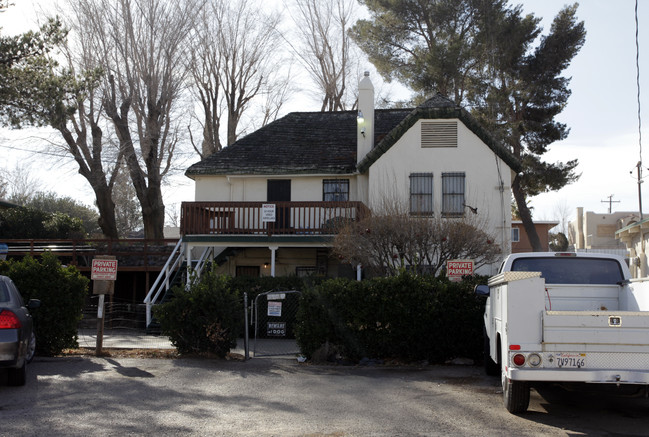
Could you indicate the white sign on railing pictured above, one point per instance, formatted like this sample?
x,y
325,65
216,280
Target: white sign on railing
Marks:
x,y
268,212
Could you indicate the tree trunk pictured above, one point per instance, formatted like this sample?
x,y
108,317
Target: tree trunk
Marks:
x,y
150,196
106,208
526,216
153,213
94,173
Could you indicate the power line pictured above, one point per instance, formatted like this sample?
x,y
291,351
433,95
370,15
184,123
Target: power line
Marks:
x,y
37,152
637,67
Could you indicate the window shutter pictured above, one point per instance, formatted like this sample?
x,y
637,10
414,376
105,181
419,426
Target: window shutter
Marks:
x,y
439,134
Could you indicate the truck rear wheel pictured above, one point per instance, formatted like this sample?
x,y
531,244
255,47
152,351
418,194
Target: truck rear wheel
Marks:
x,y
516,395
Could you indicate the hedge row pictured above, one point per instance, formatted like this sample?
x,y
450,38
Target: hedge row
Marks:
x,y
62,292
406,317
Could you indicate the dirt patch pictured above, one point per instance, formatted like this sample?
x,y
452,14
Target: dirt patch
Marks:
x,y
121,353
143,353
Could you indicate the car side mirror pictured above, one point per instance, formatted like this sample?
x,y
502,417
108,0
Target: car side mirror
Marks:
x,y
33,304
482,290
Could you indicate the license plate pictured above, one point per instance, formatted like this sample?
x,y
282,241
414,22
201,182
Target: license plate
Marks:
x,y
570,360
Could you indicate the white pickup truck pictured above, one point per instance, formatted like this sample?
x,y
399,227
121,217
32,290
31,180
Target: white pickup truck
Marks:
x,y
565,317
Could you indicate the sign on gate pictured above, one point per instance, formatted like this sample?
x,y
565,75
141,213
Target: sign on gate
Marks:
x,y
276,329
274,309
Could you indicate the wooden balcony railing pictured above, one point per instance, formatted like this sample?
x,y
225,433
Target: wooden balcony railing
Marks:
x,y
252,218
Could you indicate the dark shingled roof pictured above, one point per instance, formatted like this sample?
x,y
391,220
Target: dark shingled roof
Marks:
x,y
325,142
298,143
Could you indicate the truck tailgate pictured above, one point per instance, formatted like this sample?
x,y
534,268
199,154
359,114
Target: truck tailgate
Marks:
x,y
596,330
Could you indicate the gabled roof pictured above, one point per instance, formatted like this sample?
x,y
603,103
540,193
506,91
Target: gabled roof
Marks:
x,y
325,142
438,107
298,143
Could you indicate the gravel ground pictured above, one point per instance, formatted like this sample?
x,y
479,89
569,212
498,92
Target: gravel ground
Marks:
x,y
112,395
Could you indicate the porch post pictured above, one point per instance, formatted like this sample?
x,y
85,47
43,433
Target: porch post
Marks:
x,y
188,256
358,272
273,249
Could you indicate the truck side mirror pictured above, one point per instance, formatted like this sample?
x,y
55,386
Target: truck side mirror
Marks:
x,y
481,290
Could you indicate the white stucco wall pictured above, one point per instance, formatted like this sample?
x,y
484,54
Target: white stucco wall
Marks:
x,y
253,188
484,170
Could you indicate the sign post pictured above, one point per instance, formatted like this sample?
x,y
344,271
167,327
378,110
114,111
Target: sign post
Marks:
x,y
103,275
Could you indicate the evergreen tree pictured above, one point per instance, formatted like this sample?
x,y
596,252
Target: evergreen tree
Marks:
x,y
490,57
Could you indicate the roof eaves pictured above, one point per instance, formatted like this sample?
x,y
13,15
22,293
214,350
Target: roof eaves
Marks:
x,y
437,113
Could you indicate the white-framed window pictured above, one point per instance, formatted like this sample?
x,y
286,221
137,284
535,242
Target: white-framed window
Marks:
x,y
421,193
516,235
335,190
453,194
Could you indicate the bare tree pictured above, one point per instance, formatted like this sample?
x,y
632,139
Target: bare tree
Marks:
x,y
205,70
141,46
325,47
562,212
236,58
18,185
82,131
391,240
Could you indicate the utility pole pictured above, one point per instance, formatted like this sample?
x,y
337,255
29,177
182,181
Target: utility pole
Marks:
x,y
610,202
640,187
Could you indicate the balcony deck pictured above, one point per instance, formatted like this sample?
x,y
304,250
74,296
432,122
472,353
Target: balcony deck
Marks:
x,y
268,218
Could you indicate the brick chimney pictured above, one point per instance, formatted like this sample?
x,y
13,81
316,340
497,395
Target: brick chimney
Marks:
x,y
365,125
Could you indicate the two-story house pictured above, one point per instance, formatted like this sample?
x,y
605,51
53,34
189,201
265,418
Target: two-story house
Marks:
x,y
266,205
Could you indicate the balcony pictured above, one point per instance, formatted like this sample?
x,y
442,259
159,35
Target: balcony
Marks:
x,y
256,218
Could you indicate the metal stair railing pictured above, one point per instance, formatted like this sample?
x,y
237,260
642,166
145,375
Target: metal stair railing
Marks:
x,y
163,281
202,261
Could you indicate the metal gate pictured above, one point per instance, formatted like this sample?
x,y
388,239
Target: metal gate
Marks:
x,y
274,315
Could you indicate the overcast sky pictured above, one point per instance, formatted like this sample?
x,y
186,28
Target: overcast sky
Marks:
x,y
601,113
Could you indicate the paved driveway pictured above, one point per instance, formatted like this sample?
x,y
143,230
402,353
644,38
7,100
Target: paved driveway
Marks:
x,y
279,397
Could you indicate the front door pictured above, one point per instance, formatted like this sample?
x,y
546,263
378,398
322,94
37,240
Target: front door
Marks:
x,y
279,190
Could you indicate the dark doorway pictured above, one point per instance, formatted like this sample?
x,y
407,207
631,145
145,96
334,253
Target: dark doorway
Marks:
x,y
279,190
252,271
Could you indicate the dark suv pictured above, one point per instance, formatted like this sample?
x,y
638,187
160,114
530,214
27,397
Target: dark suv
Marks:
x,y
17,339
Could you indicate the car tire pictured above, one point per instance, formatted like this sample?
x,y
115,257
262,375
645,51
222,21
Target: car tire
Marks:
x,y
17,377
31,348
516,395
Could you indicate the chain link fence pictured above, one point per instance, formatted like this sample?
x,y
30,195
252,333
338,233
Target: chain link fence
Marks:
x,y
124,326
273,323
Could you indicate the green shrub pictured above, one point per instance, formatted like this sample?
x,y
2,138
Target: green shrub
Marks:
x,y
406,317
62,292
206,318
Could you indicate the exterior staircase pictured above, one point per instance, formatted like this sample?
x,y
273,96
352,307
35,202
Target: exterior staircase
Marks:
x,y
175,272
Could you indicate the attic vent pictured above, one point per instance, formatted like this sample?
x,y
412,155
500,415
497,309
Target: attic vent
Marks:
x,y
437,134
